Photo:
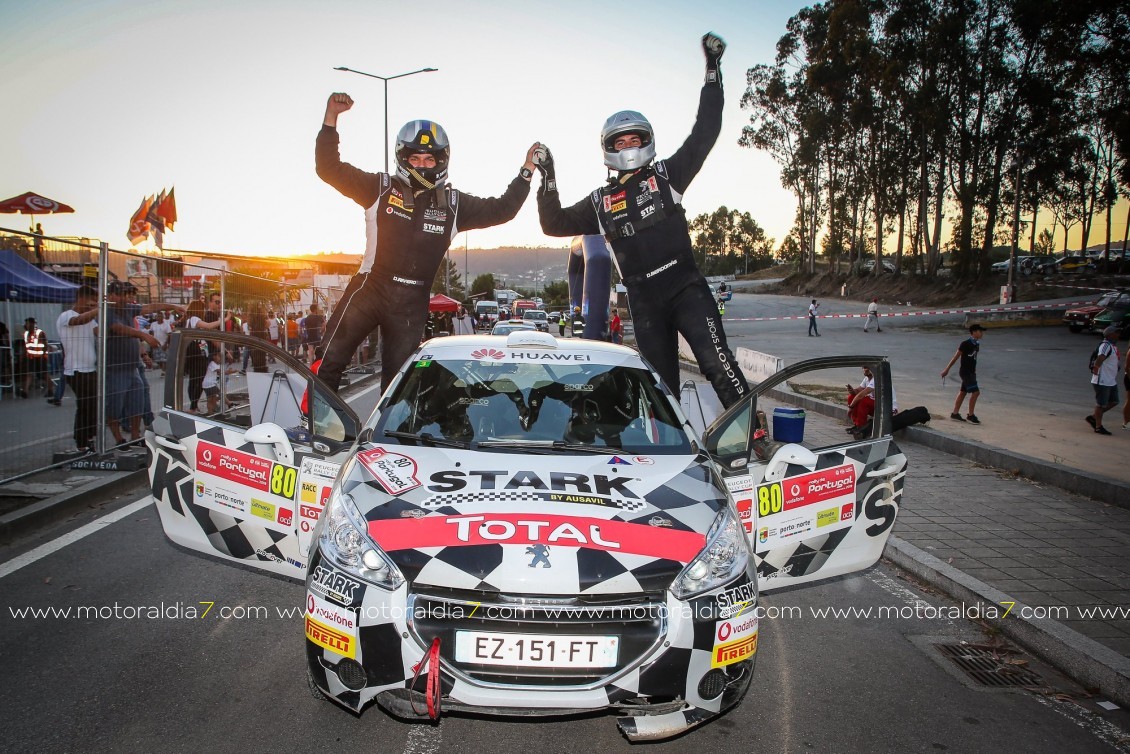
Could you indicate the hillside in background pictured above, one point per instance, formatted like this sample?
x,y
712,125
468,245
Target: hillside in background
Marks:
x,y
514,267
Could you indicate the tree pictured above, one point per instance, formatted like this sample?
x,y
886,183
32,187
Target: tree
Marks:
x,y
729,242
915,110
483,287
452,285
556,293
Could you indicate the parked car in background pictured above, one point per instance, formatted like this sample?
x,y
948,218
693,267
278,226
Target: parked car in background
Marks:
x,y
869,265
511,325
1001,267
537,318
1117,313
1083,317
1071,264
1031,264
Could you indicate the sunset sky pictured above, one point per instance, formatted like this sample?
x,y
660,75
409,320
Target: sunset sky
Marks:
x,y
110,100
107,101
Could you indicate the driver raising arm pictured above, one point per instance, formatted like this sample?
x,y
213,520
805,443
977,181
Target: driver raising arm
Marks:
x,y
639,212
410,220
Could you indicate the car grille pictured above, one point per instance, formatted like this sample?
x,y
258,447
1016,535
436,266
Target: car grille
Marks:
x,y
639,620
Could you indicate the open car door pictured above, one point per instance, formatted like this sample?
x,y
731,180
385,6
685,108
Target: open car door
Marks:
x,y
246,476
820,507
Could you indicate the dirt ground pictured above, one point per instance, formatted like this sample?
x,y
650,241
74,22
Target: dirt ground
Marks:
x,y
940,291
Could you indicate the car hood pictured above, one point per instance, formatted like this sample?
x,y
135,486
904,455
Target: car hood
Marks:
x,y
524,523
1089,310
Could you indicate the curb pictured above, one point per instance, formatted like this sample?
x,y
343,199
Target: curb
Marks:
x,y
44,511
1095,486
1081,658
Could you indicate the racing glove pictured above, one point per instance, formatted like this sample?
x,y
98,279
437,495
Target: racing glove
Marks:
x,y
713,47
544,162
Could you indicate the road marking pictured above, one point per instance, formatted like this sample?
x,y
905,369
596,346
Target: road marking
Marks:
x,y
921,313
55,545
1095,724
423,739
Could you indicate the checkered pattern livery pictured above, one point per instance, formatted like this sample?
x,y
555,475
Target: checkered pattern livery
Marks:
x,y
471,498
815,557
583,500
196,526
453,501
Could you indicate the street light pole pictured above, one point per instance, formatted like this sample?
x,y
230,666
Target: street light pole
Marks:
x,y
386,79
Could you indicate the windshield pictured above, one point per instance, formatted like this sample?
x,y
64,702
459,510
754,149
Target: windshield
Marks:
x,y
534,315
537,403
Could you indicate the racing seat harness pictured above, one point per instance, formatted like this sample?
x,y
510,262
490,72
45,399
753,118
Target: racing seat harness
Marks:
x,y
433,693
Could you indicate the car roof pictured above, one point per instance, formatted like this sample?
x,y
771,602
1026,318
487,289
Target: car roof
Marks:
x,y
455,346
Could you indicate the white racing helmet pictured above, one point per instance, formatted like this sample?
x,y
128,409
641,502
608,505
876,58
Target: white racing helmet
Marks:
x,y
428,137
632,158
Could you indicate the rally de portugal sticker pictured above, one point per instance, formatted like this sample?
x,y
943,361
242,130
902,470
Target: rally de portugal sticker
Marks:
x,y
818,502
395,472
256,472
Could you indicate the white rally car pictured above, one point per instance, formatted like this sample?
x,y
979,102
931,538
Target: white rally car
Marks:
x,y
525,525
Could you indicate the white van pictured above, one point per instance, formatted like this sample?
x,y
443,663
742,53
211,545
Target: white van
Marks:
x,y
486,312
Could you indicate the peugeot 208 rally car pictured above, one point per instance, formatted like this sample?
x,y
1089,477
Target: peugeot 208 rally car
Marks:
x,y
525,525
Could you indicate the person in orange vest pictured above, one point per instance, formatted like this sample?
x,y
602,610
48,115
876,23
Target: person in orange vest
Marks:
x,y
35,358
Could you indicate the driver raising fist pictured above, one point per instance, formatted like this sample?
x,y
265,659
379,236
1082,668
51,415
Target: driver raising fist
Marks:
x,y
639,212
410,219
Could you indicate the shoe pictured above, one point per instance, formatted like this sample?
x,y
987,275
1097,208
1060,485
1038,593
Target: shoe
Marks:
x,y
1091,421
959,417
817,335
242,371
1102,431
22,393
1126,426
810,335
54,402
878,329
973,419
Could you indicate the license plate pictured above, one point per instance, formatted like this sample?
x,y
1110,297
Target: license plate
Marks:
x,y
536,650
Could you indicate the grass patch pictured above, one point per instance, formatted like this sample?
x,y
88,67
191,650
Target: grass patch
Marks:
x,y
828,393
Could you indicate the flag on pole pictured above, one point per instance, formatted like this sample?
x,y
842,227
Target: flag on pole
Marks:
x,y
156,222
167,208
138,227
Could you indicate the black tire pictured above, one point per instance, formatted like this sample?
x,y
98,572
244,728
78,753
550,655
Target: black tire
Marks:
x,y
312,687
1075,328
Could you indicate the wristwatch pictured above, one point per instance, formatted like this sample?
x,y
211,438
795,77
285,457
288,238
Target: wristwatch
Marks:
x,y
526,173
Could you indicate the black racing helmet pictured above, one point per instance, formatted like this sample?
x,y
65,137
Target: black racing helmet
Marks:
x,y
422,137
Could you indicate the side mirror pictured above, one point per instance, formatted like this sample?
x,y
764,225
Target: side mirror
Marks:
x,y
270,433
790,453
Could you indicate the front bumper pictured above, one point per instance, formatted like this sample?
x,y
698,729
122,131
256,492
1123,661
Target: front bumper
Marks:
x,y
672,673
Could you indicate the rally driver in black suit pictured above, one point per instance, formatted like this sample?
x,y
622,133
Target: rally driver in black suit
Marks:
x,y
640,213
410,220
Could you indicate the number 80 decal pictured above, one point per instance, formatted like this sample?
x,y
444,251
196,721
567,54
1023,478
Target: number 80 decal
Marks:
x,y
284,480
770,499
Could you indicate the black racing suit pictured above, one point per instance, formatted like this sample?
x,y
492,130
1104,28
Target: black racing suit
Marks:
x,y
406,237
640,214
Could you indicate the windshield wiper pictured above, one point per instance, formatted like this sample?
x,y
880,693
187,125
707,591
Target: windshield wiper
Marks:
x,y
427,438
547,445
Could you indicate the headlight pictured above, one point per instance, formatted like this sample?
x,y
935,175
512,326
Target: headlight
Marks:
x,y
725,556
344,542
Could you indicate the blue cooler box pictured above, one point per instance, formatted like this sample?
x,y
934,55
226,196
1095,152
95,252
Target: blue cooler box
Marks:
x,y
788,424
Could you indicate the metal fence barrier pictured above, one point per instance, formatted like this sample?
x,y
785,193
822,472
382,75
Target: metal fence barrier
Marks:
x,y
49,419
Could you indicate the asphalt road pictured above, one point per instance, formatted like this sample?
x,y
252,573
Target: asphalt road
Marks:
x,y
234,680
1035,387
